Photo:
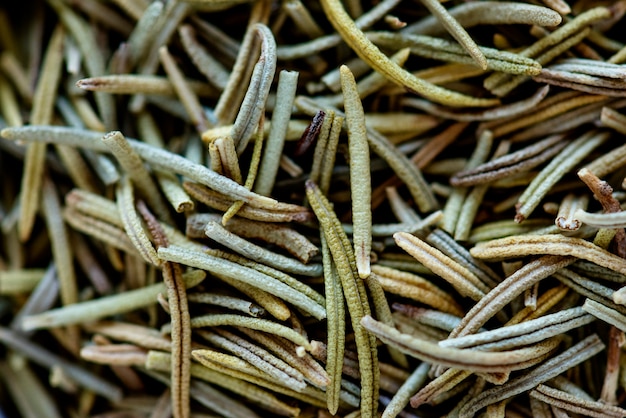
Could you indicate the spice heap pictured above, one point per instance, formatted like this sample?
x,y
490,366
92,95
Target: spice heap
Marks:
x,y
404,208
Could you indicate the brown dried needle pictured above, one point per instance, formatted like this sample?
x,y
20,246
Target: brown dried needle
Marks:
x,y
181,321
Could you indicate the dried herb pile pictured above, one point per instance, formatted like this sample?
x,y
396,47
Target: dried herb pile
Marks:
x,y
298,208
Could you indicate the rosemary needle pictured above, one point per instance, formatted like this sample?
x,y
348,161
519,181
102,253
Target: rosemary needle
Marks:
x,y
361,189
104,306
35,153
179,314
161,159
472,360
335,312
354,293
373,56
